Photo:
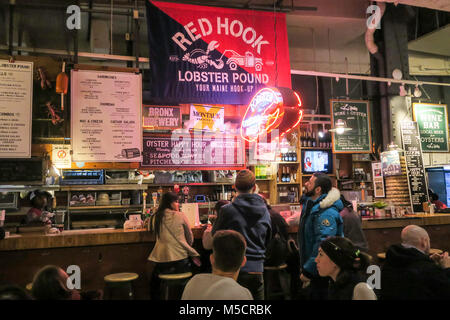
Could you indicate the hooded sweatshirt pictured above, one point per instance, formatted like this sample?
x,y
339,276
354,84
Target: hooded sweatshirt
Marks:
x,y
248,215
319,220
409,274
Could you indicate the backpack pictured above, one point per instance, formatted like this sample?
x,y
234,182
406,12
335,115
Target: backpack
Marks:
x,y
276,251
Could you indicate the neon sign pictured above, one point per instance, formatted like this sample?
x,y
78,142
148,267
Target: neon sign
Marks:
x,y
269,109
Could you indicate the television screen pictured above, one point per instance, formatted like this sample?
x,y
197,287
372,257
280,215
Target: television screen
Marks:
x,y
316,161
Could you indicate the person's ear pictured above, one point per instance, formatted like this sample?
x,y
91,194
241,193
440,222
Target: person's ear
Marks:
x,y
318,190
244,261
211,259
254,188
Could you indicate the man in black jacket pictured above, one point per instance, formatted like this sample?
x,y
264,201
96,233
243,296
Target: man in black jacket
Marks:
x,y
410,274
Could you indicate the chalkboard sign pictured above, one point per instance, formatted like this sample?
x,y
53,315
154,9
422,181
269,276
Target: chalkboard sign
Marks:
x,y
193,151
414,165
432,120
21,171
355,115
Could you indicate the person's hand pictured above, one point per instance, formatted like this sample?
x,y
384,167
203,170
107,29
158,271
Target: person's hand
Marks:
x,y
304,278
444,262
212,218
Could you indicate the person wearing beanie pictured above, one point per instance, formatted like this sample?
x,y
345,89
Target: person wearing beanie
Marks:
x,y
248,215
339,259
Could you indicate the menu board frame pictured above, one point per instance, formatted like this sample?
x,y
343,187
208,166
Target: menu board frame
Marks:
x,y
135,136
416,107
422,173
24,115
342,136
203,166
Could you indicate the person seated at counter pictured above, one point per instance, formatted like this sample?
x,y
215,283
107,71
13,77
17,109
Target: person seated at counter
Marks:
x,y
38,213
227,259
50,283
352,226
409,273
434,198
13,293
339,259
173,241
207,237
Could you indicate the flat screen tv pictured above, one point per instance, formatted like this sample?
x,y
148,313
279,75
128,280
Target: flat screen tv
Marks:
x,y
317,161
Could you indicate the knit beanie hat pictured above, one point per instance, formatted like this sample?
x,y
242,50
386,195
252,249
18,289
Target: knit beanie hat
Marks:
x,y
344,259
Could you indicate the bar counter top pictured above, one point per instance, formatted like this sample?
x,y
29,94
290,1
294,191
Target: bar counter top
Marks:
x,y
81,238
107,236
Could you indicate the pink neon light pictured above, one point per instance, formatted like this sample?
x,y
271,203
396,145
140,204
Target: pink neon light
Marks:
x,y
275,116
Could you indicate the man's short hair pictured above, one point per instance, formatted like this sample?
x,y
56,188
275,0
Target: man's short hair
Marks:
x,y
323,181
245,181
229,250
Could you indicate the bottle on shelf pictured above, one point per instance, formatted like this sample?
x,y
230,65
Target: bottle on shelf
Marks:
x,y
314,143
288,177
283,177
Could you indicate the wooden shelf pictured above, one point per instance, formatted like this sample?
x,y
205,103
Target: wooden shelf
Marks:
x,y
288,162
190,184
314,148
286,183
76,208
362,160
105,187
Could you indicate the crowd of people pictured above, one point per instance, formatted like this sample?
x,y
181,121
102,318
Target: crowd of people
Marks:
x,y
328,261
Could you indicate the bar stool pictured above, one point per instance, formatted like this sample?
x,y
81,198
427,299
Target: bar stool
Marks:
x,y
276,273
173,280
120,286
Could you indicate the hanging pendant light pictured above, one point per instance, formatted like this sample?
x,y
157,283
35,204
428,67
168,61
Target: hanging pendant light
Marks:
x,y
340,127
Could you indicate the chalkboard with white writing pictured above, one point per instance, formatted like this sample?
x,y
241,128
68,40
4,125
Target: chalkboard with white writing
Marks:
x,y
414,165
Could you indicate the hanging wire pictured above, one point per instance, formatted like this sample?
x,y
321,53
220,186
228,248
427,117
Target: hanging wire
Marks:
x,y
111,31
275,32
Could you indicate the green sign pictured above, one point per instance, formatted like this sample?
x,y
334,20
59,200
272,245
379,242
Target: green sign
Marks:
x,y
355,116
433,126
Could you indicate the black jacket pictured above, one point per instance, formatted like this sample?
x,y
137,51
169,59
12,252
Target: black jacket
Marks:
x,y
408,274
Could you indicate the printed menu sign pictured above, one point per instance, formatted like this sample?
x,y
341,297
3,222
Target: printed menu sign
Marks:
x,y
16,101
414,165
354,115
162,117
193,151
432,120
207,118
106,116
378,180
390,161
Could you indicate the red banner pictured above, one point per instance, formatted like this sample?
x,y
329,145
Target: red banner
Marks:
x,y
215,55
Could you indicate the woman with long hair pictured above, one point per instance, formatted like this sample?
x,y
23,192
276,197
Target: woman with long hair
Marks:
x,y
173,241
340,260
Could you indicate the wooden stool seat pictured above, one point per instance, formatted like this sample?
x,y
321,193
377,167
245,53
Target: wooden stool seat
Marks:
x,y
121,277
381,255
436,251
119,286
175,276
29,286
280,267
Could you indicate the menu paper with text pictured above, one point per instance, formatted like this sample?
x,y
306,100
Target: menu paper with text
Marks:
x,y
106,116
16,102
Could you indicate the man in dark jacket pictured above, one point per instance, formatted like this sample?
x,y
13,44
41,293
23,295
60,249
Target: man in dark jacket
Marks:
x,y
410,274
352,226
248,215
319,220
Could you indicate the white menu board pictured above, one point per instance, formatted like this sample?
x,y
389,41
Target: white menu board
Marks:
x,y
16,102
106,116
